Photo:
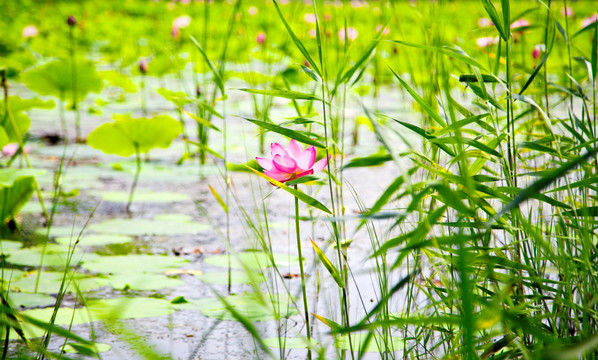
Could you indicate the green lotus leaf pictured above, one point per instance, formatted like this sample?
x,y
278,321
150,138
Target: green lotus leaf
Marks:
x,y
55,78
117,79
16,188
126,136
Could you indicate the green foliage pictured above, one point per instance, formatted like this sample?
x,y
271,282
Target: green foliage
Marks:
x,y
16,188
127,136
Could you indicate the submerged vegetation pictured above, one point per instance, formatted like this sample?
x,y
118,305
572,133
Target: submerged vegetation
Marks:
x,y
437,198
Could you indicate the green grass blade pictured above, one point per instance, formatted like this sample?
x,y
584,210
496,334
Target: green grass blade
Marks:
x,y
332,270
299,136
544,181
217,75
498,23
424,105
297,42
287,94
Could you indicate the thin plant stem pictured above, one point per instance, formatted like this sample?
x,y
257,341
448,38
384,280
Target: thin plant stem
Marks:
x,y
303,291
135,179
78,137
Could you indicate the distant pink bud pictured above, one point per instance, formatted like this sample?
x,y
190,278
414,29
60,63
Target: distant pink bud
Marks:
x,y
175,32
385,32
538,50
520,23
589,20
485,22
143,66
306,63
327,17
72,21
261,38
568,11
310,18
285,164
486,41
11,149
181,22
312,33
29,31
351,34
252,11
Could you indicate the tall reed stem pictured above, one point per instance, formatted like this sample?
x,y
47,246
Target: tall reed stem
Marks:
x,y
303,291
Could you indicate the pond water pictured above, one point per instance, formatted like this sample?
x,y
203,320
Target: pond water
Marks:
x,y
175,243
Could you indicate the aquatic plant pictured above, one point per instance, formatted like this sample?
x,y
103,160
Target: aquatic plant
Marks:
x,y
291,163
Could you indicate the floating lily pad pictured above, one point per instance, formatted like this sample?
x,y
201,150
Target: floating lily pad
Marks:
x,y
56,231
157,226
377,343
95,239
137,281
144,196
253,260
125,264
247,304
237,277
49,282
9,244
21,299
288,342
9,274
33,257
109,309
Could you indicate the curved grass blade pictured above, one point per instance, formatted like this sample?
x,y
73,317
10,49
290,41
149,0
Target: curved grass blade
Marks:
x,y
424,105
493,14
543,182
299,136
287,94
425,135
298,194
332,270
548,51
217,75
296,40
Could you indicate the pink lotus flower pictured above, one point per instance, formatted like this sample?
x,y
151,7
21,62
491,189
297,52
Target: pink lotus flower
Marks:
x,y
292,163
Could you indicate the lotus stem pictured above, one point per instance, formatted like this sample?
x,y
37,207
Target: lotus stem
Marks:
x,y
138,170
